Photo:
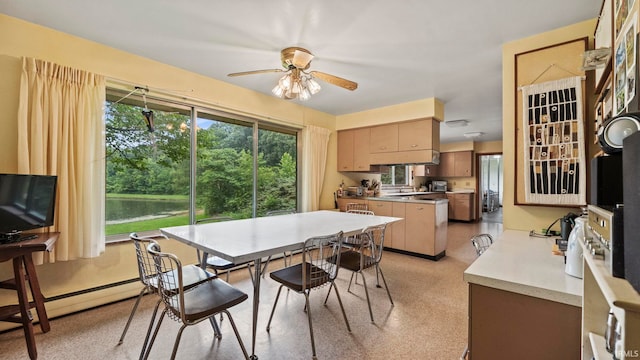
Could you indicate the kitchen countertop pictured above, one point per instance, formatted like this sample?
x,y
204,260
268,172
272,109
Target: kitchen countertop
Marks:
x,y
522,264
408,197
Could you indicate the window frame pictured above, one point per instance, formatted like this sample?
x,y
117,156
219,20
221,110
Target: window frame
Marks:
x,y
195,107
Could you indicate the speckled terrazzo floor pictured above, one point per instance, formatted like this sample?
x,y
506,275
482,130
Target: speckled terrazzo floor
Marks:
x,y
428,321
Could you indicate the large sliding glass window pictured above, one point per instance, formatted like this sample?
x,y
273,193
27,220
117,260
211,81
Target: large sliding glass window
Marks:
x,y
239,168
224,168
276,170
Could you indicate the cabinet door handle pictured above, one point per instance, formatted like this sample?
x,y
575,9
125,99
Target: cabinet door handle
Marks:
x,y
414,145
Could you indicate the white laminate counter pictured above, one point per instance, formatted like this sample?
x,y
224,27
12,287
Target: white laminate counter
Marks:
x,y
525,265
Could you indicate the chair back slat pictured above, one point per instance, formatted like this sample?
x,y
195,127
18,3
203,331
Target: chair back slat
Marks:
x,y
372,244
320,259
356,206
481,242
146,267
361,212
170,283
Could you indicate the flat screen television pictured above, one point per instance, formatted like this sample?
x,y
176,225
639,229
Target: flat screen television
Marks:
x,y
27,202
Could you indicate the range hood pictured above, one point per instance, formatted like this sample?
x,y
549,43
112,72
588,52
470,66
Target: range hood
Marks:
x,y
416,157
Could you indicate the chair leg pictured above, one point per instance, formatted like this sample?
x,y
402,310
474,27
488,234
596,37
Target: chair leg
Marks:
x,y
366,291
227,277
155,334
235,330
146,338
177,342
385,284
274,308
313,343
133,311
350,281
344,314
328,292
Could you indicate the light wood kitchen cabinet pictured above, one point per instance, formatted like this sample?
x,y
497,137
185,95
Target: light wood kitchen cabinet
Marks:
x,y
456,164
446,167
425,229
398,232
461,206
425,170
384,139
353,150
384,208
419,135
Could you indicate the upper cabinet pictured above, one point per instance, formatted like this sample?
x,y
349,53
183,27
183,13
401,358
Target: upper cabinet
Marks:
x,y
419,135
353,150
410,142
384,139
456,164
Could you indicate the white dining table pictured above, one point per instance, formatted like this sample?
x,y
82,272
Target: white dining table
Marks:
x,y
253,239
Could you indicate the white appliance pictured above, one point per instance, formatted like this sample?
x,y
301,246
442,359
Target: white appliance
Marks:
x,y
574,264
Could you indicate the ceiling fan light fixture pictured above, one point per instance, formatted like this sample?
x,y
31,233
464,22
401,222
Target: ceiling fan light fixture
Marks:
x,y
304,94
313,86
285,81
278,90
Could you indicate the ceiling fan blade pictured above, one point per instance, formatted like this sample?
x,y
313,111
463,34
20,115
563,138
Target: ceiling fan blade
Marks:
x,y
335,80
301,59
255,72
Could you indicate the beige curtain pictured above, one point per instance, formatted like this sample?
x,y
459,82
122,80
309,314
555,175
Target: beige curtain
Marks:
x,y
315,141
61,132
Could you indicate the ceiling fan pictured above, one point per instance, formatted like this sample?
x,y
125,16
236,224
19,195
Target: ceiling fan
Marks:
x,y
298,82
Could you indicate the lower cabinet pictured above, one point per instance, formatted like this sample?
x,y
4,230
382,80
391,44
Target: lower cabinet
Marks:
x,y
461,206
507,325
423,230
398,228
417,228
384,208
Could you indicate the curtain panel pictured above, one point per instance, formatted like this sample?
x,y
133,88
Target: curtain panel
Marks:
x,y
61,132
315,143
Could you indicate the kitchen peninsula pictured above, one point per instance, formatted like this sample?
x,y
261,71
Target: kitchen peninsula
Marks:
x,y
423,230
522,305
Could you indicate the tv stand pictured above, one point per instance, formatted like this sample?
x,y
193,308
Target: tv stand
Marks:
x,y
16,236
24,270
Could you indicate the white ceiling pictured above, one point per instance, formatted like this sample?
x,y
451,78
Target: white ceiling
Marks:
x,y
397,51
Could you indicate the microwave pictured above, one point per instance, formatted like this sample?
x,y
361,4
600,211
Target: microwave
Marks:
x,y
439,186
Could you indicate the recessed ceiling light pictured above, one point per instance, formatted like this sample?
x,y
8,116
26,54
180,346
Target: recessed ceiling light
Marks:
x,y
473,134
456,123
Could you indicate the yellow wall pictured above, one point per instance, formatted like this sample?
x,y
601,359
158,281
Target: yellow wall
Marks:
x,y
412,110
19,38
532,217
